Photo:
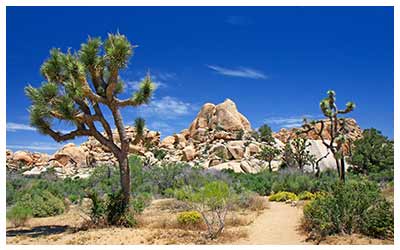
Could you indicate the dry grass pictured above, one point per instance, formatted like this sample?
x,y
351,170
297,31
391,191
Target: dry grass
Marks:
x,y
258,203
156,225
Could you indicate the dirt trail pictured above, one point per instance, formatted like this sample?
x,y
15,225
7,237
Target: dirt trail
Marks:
x,y
276,226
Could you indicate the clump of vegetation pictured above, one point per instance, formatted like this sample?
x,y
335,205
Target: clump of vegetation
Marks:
x,y
306,196
78,86
264,134
269,153
373,156
283,196
346,210
189,219
42,204
18,215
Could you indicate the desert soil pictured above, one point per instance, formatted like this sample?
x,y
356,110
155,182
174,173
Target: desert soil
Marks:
x,y
278,225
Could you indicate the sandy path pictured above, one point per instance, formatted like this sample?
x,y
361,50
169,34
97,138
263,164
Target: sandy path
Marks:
x,y
276,226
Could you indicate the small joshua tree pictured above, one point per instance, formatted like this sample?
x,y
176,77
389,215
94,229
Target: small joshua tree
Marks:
x,y
78,86
337,129
269,153
298,152
265,134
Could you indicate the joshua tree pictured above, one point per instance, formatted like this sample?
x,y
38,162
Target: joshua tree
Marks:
x,y
78,86
337,129
269,153
298,152
265,134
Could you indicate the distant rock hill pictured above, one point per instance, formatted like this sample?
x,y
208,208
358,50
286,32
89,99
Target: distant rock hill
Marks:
x,y
220,137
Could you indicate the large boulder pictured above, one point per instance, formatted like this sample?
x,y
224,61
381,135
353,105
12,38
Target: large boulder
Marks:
x,y
168,142
223,116
189,153
236,148
70,154
23,157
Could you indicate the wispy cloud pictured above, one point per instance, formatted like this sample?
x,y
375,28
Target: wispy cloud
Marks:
x,y
135,85
163,127
167,108
13,127
238,20
159,80
288,122
239,72
38,146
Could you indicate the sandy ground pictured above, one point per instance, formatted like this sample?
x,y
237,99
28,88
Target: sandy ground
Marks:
x,y
276,226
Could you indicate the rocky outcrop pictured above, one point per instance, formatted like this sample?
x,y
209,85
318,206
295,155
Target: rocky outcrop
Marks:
x,y
354,132
223,116
220,137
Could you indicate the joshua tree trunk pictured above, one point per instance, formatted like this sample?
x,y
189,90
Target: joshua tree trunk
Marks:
x,y
125,178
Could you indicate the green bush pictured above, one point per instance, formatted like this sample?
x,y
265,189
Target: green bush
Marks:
x,y
18,215
189,218
378,220
42,203
306,196
283,196
346,210
118,213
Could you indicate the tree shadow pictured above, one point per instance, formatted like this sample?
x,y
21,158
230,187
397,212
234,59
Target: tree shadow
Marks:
x,y
37,231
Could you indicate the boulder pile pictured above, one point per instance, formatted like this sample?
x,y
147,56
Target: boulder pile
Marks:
x,y
220,137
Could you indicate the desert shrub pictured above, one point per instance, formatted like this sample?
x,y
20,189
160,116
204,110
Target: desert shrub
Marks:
x,y
189,218
373,155
140,202
257,203
42,203
293,181
345,209
260,183
97,209
306,196
283,196
18,215
377,220
213,201
118,213
159,154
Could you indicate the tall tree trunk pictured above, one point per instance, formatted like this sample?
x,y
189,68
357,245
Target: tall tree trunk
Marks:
x,y
270,166
342,170
125,177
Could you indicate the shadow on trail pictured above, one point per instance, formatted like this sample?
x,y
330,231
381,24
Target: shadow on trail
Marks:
x,y
38,231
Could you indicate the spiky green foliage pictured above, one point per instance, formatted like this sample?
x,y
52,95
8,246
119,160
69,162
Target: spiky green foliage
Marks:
x,y
337,129
269,153
79,84
298,152
139,126
265,134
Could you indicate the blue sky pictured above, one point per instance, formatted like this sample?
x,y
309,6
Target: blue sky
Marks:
x,y
276,63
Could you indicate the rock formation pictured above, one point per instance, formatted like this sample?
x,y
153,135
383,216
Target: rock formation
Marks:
x,y
220,137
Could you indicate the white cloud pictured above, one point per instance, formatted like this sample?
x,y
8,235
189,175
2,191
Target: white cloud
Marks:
x,y
39,146
135,85
13,127
238,72
288,122
163,127
166,108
